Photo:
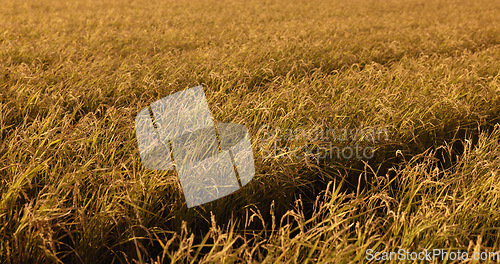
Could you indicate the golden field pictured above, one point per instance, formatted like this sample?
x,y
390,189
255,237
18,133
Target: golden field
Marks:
x,y
73,75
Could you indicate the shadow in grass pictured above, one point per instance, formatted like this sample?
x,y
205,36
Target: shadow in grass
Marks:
x,y
447,144
268,199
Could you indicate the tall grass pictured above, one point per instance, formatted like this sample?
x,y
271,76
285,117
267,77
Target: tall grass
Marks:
x,y
73,75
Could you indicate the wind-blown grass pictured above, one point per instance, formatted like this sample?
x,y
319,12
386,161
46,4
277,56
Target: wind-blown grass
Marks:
x,y
73,75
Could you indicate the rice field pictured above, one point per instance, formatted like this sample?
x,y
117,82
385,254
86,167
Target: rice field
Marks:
x,y
375,127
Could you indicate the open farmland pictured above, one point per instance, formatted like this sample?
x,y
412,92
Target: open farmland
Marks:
x,y
74,74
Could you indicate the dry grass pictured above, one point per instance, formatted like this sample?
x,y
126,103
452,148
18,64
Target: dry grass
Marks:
x,y
73,75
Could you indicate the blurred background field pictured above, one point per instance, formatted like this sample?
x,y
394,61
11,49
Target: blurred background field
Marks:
x,y
73,75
